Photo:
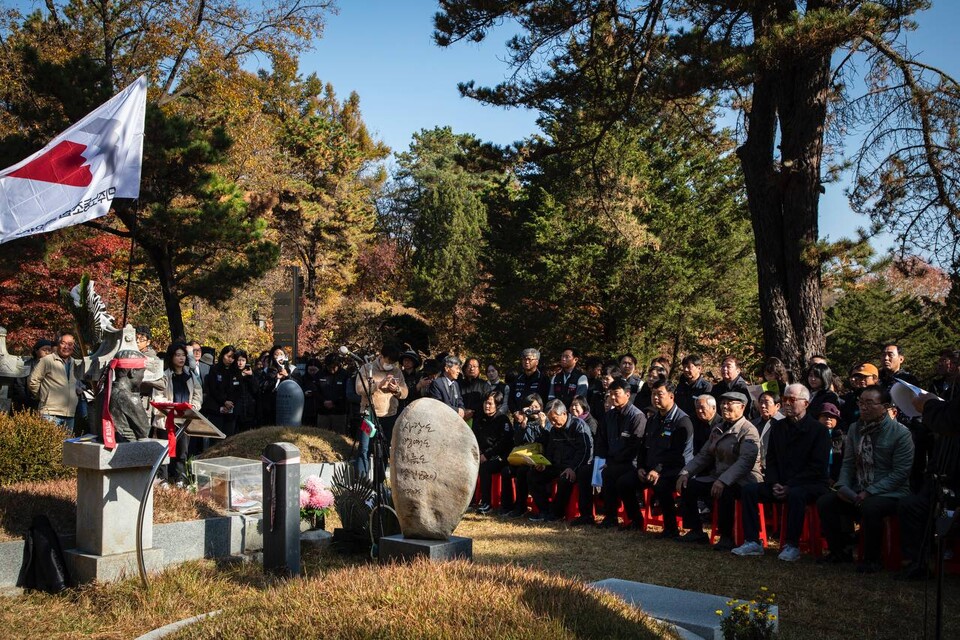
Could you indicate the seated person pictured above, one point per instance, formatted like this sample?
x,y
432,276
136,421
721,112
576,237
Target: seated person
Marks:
x,y
769,406
619,436
796,474
729,460
830,418
667,447
874,477
570,452
705,420
495,437
529,427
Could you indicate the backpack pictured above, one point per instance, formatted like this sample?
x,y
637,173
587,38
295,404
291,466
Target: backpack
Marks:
x,y
44,567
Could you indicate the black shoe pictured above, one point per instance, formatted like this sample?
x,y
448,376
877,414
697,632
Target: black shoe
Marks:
x,y
669,535
517,513
537,517
694,537
582,520
484,508
607,523
552,517
725,543
869,567
636,525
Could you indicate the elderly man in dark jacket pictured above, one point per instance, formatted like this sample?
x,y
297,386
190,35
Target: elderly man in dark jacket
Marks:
x,y
619,437
796,473
570,452
731,380
729,460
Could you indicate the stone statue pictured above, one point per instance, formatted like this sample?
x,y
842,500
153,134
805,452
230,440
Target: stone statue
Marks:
x,y
129,419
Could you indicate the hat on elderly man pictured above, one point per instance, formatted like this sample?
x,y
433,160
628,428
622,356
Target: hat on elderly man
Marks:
x,y
736,396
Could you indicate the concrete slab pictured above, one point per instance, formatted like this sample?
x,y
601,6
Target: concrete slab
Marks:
x,y
400,549
689,610
93,455
86,567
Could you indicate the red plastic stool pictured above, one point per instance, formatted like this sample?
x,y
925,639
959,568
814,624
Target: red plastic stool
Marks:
x,y
811,539
655,517
738,524
890,555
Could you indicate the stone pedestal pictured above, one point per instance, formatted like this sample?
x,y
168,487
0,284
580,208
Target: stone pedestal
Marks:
x,y
109,487
400,549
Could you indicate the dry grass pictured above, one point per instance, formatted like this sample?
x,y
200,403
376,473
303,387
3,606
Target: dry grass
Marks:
x,y
57,499
316,445
815,601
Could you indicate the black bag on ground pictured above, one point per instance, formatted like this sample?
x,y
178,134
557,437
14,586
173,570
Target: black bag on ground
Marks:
x,y
44,567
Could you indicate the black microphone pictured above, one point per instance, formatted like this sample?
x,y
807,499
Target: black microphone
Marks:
x,y
346,353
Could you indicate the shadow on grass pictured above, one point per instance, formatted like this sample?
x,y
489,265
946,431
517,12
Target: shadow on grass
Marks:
x,y
20,503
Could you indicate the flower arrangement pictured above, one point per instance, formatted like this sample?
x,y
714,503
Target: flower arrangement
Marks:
x,y
316,500
749,620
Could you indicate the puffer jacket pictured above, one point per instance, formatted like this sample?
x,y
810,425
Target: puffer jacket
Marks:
x,y
731,454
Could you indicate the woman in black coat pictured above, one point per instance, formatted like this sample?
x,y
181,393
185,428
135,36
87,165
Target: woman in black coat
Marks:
x,y
495,437
221,390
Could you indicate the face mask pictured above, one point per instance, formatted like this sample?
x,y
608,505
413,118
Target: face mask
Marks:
x,y
386,367
281,357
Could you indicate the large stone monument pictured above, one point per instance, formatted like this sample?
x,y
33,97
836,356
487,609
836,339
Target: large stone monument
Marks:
x,y
289,404
433,472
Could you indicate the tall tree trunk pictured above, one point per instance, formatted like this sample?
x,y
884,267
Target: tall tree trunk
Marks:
x,y
168,287
783,202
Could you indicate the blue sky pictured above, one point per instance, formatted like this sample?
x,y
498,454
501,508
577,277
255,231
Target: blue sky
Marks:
x,y
383,50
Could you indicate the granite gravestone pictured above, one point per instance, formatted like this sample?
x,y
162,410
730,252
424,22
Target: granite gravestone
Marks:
x,y
433,468
289,404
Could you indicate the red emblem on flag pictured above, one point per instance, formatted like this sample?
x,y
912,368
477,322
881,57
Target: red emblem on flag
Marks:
x,y
63,164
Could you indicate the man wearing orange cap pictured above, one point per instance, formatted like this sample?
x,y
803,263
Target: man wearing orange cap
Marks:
x,y
861,377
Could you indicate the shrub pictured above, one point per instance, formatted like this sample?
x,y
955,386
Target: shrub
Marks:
x,y
316,445
31,449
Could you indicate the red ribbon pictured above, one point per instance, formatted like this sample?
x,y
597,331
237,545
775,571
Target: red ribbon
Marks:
x,y
109,431
174,410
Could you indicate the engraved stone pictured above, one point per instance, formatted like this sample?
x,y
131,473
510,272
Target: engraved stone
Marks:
x,y
433,469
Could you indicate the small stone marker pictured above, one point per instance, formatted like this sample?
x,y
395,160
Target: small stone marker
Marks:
x,y
289,404
281,509
433,468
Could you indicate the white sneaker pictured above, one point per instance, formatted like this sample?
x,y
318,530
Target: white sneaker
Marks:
x,y
749,548
789,554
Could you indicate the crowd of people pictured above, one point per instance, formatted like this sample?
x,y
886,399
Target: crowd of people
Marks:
x,y
838,443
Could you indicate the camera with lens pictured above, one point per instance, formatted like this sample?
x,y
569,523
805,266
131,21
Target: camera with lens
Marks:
x,y
531,413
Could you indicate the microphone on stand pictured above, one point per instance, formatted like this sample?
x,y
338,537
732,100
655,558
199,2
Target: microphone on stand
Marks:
x,y
346,353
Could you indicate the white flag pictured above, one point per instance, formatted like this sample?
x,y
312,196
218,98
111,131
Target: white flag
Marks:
x,y
78,174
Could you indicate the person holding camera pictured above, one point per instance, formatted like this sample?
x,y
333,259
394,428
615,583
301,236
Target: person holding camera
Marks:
x,y
529,427
384,381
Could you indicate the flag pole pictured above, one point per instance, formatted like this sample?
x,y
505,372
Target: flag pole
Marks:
x,y
133,240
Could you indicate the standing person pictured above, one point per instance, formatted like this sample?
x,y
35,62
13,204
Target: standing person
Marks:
x,y
153,380
221,391
246,408
384,382
819,380
596,392
628,367
874,477
310,383
732,380
276,371
194,353
692,383
410,366
180,385
472,388
775,376
445,388
494,381
22,398
495,438
862,376
53,382
332,408
530,380
570,381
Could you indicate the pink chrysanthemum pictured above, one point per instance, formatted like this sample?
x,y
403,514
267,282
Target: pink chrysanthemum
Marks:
x,y
322,499
304,498
314,485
